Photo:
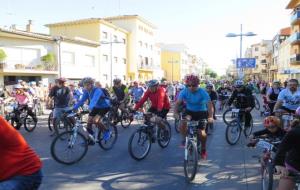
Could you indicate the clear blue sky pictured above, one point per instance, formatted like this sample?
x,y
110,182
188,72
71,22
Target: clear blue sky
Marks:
x,y
200,24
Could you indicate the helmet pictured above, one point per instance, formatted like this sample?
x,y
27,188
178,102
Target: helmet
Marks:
x,y
62,80
18,86
116,81
271,121
193,79
209,85
87,80
276,81
153,82
239,83
180,87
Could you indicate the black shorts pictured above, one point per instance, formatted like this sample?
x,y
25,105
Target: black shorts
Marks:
x,y
99,111
162,114
197,116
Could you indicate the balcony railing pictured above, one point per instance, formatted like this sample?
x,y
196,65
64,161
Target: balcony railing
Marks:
x,y
16,66
145,67
295,18
295,38
295,59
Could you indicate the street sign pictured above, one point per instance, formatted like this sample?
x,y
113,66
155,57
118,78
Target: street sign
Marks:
x,y
245,63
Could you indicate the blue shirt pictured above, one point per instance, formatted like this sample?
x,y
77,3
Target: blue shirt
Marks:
x,y
96,98
195,101
290,101
137,93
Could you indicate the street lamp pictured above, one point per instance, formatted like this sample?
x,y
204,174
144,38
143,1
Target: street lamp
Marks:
x,y
111,62
248,34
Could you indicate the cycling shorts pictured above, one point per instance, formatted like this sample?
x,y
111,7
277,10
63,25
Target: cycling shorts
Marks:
x,y
196,116
99,111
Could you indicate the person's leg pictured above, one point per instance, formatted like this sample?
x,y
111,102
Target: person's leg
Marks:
x,y
286,184
30,112
57,114
248,118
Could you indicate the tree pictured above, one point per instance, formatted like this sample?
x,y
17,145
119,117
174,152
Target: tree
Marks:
x,y
49,61
211,73
2,55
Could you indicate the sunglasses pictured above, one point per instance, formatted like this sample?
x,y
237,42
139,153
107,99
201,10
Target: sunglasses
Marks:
x,y
192,86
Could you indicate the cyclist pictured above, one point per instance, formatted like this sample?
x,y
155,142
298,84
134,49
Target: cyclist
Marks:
x,y
20,165
223,92
213,97
137,92
198,106
76,93
122,93
272,94
244,100
287,158
160,104
289,98
99,105
62,97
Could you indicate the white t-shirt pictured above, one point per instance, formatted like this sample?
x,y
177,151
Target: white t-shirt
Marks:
x,y
290,101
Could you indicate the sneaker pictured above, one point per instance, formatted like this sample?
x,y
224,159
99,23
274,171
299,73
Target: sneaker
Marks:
x,y
91,142
203,155
182,144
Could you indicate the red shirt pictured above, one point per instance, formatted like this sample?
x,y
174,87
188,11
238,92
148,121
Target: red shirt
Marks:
x,y
16,157
159,99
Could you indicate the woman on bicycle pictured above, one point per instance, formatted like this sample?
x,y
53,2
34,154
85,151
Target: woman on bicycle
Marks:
x,y
287,158
272,95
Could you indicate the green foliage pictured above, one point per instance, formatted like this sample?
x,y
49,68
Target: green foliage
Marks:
x,y
2,55
49,58
211,73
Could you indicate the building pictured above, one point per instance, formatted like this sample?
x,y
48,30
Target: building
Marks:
x,y
158,73
141,44
284,53
174,61
113,40
294,39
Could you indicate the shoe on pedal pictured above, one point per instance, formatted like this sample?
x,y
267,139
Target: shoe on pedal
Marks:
x,y
203,155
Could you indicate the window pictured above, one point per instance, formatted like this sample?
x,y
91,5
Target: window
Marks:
x,y
89,61
256,57
105,58
124,41
151,47
256,49
124,61
116,59
146,60
68,58
146,45
151,61
105,77
141,43
124,77
141,60
104,35
115,38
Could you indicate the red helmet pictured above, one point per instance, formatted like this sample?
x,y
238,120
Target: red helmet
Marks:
x,y
192,79
271,121
62,80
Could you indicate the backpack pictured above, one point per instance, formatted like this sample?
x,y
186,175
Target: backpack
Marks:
x,y
106,93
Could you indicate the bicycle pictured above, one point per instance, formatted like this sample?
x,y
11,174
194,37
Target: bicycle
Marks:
x,y
147,134
192,149
286,119
37,107
23,118
266,161
236,126
257,104
78,140
116,115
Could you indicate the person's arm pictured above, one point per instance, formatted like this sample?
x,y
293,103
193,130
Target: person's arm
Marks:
x,y
279,101
261,132
178,103
251,99
232,97
81,101
161,96
210,109
142,101
286,145
93,102
268,94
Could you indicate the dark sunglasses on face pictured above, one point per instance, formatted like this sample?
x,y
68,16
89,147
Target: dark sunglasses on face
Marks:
x,y
191,85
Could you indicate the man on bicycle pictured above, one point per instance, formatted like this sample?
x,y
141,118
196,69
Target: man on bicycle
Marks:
x,y
213,96
160,104
137,92
244,100
289,98
99,105
198,106
121,92
272,94
62,97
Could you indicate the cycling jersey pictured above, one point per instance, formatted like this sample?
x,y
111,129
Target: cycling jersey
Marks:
x,y
159,99
61,96
290,100
289,150
244,98
137,93
273,93
213,96
120,92
96,99
195,101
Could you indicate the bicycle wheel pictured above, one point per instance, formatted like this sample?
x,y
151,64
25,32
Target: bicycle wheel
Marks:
x,y
190,160
233,132
209,128
50,120
257,104
107,139
176,125
164,135
267,176
29,123
139,144
69,147
125,120
228,116
248,130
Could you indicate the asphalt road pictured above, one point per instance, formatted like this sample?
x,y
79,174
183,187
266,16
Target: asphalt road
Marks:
x,y
227,167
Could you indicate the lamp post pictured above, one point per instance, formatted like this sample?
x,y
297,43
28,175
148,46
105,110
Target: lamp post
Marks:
x,y
58,40
111,62
230,35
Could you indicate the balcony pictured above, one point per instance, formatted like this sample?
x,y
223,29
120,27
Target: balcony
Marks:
x,y
295,18
145,67
273,67
295,39
18,67
295,59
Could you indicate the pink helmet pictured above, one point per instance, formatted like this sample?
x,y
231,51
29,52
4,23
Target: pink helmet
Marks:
x,y
192,79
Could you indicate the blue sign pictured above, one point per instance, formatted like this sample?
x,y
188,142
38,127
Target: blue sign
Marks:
x,y
246,63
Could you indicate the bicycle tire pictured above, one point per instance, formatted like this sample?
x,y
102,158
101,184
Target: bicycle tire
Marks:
x,y
27,127
257,104
176,125
248,130
226,119
50,120
232,126
102,142
191,148
146,138
125,117
267,171
162,135
71,134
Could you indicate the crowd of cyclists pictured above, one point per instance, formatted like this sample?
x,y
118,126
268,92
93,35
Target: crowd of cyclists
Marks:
x,y
193,98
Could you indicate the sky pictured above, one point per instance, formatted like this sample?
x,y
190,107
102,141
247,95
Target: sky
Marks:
x,y
200,24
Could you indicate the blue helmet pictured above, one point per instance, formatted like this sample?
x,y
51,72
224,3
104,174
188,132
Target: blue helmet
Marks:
x,y
153,82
